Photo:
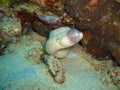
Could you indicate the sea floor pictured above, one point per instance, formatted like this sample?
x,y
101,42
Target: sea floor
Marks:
x,y
22,69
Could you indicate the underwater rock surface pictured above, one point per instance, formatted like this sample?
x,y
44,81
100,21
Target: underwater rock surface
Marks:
x,y
21,68
101,21
10,29
98,20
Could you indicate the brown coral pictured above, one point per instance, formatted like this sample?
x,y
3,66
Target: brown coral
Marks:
x,y
26,20
25,17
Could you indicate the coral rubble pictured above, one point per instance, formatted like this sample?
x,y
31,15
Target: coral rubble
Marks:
x,y
55,68
112,77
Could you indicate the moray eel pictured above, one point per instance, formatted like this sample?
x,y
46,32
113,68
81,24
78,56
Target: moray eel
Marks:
x,y
60,39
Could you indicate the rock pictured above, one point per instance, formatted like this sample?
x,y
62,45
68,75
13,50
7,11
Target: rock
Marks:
x,y
10,29
102,21
115,50
44,31
117,1
10,26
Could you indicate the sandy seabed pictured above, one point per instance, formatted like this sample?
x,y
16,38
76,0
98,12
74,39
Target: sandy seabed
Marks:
x,y
21,69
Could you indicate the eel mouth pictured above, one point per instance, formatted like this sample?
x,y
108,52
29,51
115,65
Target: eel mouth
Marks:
x,y
75,36
72,37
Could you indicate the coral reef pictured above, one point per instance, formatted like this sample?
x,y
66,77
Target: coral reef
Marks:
x,y
3,44
117,1
6,11
33,54
53,3
55,6
5,2
8,3
25,18
62,38
55,68
50,3
44,31
112,77
97,19
27,7
40,2
10,29
22,68
30,12
115,50
97,25
26,13
102,23
92,3
10,26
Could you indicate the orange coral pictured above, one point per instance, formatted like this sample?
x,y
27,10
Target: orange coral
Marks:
x,y
52,3
91,4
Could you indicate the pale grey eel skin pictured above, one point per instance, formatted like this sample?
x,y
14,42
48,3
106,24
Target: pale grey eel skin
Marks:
x,y
60,39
